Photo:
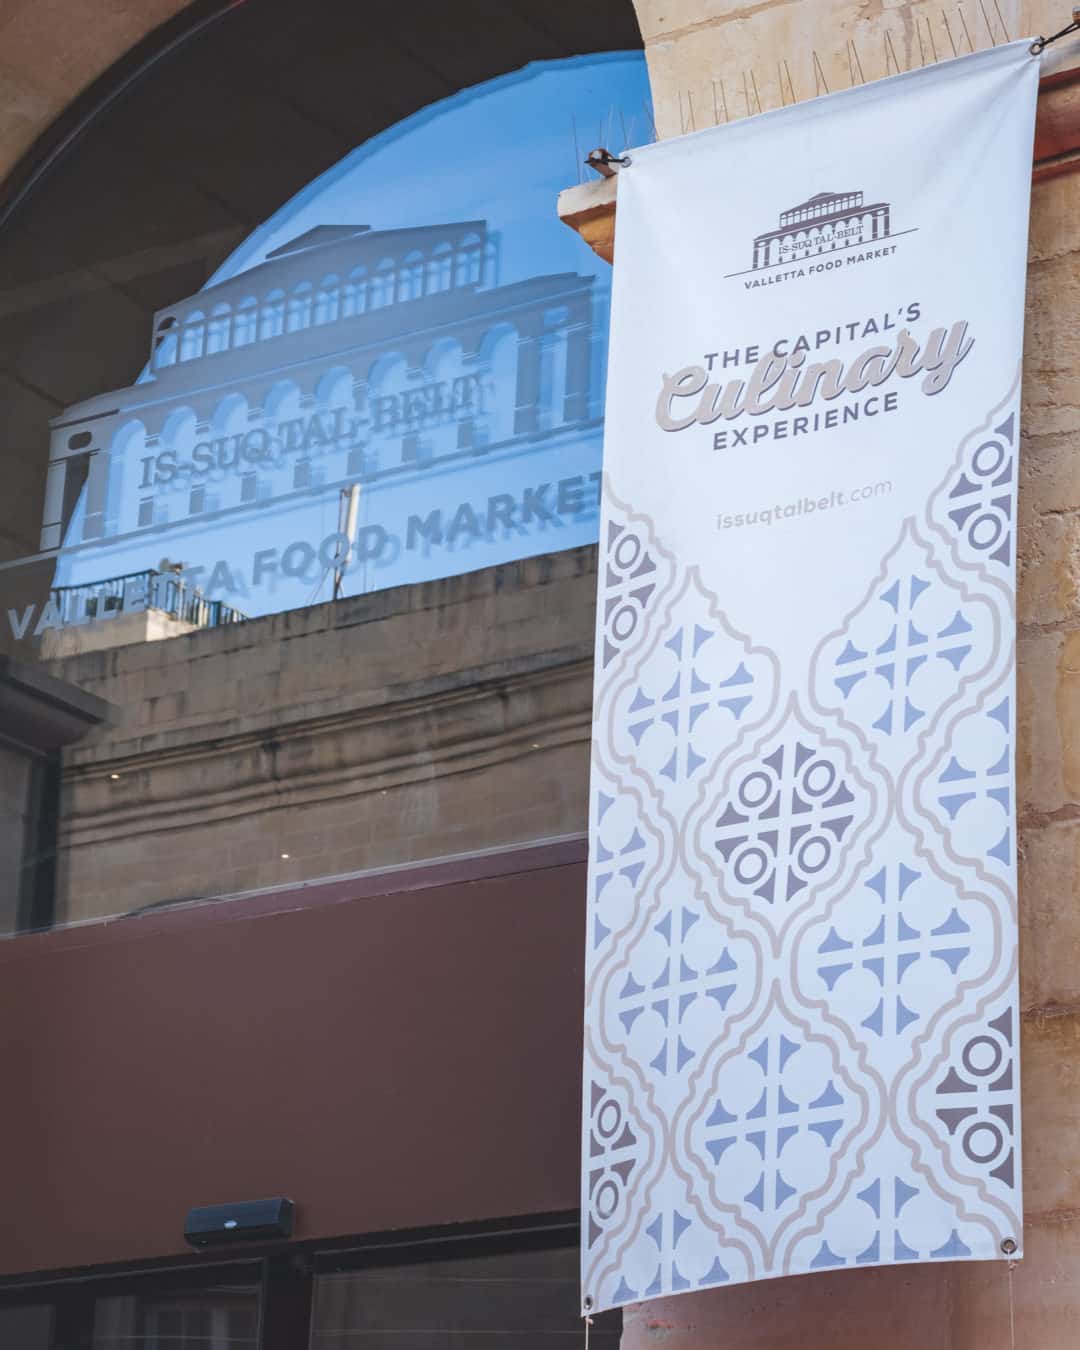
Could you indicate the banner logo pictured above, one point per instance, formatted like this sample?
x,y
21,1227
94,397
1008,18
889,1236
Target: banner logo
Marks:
x,y
824,223
827,232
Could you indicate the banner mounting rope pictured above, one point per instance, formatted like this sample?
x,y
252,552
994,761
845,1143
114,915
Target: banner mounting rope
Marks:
x,y
1041,43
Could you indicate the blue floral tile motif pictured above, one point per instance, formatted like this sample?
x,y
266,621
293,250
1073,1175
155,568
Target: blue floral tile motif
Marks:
x,y
787,1106
890,948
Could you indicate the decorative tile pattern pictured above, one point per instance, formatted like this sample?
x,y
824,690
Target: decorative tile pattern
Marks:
x,y
801,1004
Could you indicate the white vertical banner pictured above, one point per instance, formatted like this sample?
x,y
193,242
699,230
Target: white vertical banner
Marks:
x,y
801,1009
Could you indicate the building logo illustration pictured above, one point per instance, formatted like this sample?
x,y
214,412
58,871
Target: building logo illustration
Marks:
x,y
825,223
390,358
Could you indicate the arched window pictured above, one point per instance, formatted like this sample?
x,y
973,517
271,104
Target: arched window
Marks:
x,y
229,417
299,311
468,261
391,427
411,277
165,345
217,330
179,432
246,322
497,396
354,294
328,300
440,268
335,390
193,337
447,426
382,285
272,317
283,401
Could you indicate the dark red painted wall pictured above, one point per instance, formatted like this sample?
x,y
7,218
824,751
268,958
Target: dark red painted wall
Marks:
x,y
397,1052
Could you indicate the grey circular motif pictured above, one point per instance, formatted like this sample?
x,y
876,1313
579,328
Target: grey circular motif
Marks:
x,y
976,1063
986,465
627,552
818,778
606,1199
624,621
608,1119
755,789
813,854
985,530
751,865
976,1135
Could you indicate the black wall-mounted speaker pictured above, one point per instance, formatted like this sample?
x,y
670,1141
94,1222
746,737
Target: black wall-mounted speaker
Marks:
x,y
247,1221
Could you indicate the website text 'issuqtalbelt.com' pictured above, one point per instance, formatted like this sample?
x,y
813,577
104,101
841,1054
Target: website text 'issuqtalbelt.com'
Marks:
x,y
803,506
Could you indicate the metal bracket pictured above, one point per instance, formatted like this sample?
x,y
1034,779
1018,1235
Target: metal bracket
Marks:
x,y
602,161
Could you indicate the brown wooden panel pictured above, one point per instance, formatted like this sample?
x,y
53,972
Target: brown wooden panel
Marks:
x,y
388,1054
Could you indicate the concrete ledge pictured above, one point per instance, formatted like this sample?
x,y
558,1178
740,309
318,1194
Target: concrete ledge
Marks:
x,y
42,713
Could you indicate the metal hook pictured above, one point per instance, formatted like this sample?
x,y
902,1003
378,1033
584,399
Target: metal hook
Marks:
x,y
1041,43
601,160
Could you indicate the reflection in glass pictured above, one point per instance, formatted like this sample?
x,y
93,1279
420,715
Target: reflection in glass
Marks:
x,y
299,316
524,1300
327,300
246,320
217,331
28,1328
382,287
440,268
165,351
193,337
272,319
206,1319
469,261
444,349
411,277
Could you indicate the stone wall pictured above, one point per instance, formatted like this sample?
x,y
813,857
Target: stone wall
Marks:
x,y
51,50
713,61
378,730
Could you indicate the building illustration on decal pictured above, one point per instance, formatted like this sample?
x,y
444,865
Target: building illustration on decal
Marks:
x,y
824,223
392,358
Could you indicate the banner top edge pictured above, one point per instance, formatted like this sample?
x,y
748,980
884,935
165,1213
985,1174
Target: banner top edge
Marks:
x,y
1018,49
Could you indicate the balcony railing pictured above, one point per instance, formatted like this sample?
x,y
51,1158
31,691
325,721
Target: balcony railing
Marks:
x,y
141,591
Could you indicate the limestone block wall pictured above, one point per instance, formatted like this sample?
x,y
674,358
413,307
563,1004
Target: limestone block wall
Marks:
x,y
50,50
378,730
713,61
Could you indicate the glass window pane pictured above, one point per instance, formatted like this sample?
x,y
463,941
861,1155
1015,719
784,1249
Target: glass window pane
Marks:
x,y
224,1318
337,301
525,1300
26,1328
